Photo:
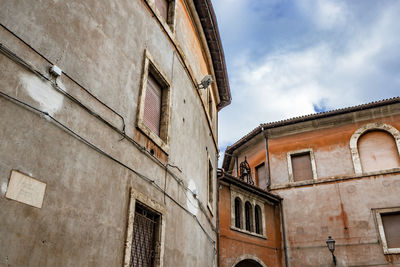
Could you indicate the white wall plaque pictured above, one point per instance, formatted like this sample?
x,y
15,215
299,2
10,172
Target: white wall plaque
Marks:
x,y
25,189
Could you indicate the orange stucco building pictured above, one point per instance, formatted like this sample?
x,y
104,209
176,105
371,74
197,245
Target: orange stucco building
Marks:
x,y
338,174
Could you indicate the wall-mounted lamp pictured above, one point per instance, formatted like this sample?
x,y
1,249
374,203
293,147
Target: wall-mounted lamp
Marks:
x,y
205,82
331,246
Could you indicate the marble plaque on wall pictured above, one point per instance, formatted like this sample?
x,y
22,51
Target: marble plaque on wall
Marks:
x,y
25,189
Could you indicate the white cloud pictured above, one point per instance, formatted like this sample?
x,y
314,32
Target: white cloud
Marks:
x,y
325,14
334,72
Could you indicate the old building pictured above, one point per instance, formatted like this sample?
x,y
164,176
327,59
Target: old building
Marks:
x,y
108,151
338,174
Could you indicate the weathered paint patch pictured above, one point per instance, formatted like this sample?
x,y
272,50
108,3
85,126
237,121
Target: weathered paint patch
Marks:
x,y
49,99
3,188
191,202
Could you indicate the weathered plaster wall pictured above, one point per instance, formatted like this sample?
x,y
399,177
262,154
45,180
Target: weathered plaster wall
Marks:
x,y
99,45
342,210
235,245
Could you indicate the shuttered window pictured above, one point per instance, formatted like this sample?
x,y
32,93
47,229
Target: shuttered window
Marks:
x,y
152,105
301,167
162,7
260,174
391,225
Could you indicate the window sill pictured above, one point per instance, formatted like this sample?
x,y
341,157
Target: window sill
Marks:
x,y
155,138
248,232
391,251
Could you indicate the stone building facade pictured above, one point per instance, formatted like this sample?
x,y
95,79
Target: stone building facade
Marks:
x,y
108,151
338,174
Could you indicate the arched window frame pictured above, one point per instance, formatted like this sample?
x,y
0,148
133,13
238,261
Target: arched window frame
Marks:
x,y
258,220
246,196
238,212
364,129
248,212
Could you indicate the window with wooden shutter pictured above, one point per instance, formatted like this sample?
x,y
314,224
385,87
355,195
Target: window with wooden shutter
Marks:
x,y
152,105
388,224
301,167
391,226
261,177
162,7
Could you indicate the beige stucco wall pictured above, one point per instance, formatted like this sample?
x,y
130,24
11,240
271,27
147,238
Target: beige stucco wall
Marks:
x,y
99,45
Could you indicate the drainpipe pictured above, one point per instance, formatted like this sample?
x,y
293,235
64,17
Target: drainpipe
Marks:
x,y
268,169
285,250
218,227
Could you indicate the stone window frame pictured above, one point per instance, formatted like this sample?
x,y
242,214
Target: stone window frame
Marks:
x,y
290,167
254,200
161,140
381,230
169,24
364,129
135,196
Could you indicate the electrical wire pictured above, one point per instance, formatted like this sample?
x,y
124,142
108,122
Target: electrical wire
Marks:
x,y
25,64
99,150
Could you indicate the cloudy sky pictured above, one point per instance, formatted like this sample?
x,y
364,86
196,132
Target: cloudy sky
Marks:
x,y
287,58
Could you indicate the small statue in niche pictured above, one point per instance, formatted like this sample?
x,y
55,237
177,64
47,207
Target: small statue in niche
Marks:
x,y
245,172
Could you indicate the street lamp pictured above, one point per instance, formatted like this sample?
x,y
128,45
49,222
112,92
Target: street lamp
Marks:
x,y
331,246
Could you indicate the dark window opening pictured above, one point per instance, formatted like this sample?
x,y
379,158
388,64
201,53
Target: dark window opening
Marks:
x,y
301,167
248,216
210,183
146,241
238,212
258,219
391,226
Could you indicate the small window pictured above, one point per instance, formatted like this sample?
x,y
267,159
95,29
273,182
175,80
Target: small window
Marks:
x,y
154,106
301,165
238,212
258,219
248,216
210,183
261,177
210,104
162,8
145,236
389,229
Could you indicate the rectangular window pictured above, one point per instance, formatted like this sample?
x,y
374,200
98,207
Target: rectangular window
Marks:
x,y
389,229
153,117
162,7
144,245
210,183
145,241
301,165
260,175
152,105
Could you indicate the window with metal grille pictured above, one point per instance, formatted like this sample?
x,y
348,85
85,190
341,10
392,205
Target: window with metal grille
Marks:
x,y
301,167
145,243
261,177
391,226
152,104
238,212
248,216
258,219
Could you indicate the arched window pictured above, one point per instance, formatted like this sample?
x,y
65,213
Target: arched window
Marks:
x,y
249,216
258,218
378,151
377,146
238,212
